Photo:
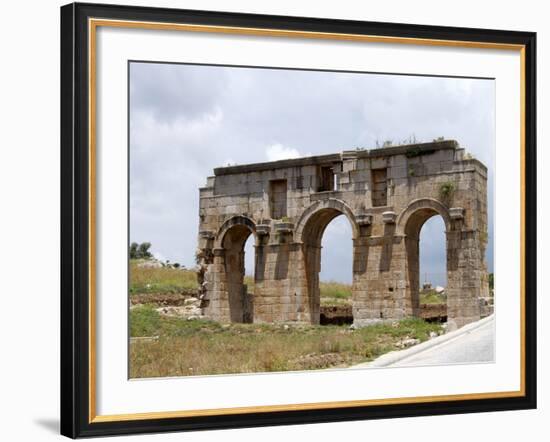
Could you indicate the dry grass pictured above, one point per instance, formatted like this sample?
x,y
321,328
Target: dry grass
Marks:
x,y
201,347
335,290
334,293
431,297
160,280
169,280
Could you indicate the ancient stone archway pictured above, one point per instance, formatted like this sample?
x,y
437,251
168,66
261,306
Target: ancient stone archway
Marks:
x,y
309,232
386,194
230,300
321,213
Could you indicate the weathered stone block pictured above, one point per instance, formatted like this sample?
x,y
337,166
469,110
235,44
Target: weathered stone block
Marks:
x,y
389,217
456,213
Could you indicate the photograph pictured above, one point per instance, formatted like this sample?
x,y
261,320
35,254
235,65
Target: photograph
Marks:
x,y
297,219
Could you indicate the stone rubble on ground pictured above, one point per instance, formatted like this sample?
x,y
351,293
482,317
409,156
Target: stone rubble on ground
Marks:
x,y
190,310
407,342
150,264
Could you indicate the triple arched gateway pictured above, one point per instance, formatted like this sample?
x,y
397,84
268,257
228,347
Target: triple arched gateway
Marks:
x,y
386,194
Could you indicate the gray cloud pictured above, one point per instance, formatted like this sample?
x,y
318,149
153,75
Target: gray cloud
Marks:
x,y
169,91
185,120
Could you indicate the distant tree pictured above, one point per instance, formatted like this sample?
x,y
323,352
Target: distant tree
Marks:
x,y
133,250
140,251
491,281
143,250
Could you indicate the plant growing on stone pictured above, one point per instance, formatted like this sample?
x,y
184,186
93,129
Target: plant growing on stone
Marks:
x,y
446,190
483,236
417,152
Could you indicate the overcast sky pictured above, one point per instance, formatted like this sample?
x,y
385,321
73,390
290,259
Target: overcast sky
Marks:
x,y
186,120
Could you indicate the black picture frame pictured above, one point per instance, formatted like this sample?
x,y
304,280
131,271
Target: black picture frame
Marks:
x,y
75,220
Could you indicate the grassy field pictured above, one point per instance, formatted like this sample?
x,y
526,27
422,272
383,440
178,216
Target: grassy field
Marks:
x,y
431,297
183,347
160,280
169,280
200,347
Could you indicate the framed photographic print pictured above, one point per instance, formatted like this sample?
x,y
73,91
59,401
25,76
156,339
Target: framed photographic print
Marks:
x,y
273,220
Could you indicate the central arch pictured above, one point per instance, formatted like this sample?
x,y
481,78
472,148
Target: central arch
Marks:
x,y
309,233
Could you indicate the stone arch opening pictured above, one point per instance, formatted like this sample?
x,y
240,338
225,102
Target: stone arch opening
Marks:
x,y
336,273
417,215
414,249
432,251
311,234
240,299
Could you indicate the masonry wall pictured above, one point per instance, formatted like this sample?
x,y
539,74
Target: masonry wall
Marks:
x,y
422,180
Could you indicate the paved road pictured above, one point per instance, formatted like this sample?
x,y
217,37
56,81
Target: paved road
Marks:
x,y
474,346
470,344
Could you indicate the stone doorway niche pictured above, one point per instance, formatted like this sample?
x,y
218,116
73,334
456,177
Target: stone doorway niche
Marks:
x,y
239,299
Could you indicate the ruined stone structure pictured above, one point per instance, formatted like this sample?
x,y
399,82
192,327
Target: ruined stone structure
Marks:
x,y
386,194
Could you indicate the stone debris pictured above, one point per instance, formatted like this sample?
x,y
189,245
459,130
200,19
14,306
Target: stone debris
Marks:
x,y
150,264
316,361
164,299
407,342
190,310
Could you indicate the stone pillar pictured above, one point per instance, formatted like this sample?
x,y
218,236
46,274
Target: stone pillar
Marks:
x,y
217,299
281,290
299,285
265,292
464,276
380,288
411,271
234,276
312,264
361,304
